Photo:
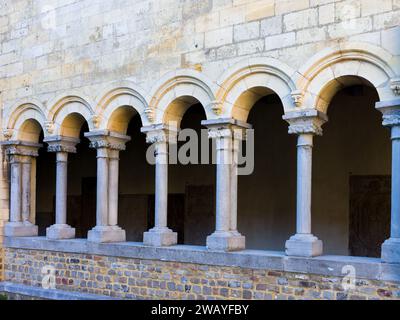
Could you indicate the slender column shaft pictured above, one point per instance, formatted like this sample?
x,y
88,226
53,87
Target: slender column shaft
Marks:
x,y
26,188
102,187
161,188
395,211
61,187
223,184
113,187
234,183
304,178
15,192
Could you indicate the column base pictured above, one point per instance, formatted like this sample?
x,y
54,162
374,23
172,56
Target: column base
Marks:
x,y
60,231
391,250
226,241
160,237
20,229
101,234
304,245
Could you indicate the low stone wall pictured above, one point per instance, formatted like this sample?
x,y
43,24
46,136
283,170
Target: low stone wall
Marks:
x,y
133,278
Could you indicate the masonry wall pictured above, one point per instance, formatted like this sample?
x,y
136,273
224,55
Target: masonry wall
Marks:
x,y
154,279
47,50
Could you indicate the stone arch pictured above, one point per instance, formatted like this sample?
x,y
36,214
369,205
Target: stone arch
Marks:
x,y
25,122
67,115
346,64
249,80
120,103
177,91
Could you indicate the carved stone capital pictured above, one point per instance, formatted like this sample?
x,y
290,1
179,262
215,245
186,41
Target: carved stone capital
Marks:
x,y
395,86
21,148
160,133
107,139
61,144
390,112
306,121
226,127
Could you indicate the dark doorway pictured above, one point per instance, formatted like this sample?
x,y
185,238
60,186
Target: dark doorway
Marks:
x,y
199,213
369,214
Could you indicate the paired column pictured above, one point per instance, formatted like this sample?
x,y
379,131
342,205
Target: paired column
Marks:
x,y
306,124
61,146
391,119
108,145
21,155
160,136
227,134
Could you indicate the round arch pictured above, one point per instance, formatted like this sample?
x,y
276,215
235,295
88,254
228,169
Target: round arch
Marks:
x,y
176,91
25,122
347,64
120,103
67,115
251,79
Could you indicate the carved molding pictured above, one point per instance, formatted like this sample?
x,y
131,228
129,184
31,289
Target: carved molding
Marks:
x,y
395,86
106,139
221,132
161,136
61,148
390,112
18,150
307,121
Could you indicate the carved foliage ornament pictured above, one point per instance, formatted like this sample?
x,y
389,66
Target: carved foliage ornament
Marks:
x,y
306,124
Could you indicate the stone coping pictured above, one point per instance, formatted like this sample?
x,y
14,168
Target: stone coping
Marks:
x,y
329,265
48,294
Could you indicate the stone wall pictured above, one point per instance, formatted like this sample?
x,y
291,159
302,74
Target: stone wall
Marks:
x,y
154,279
49,50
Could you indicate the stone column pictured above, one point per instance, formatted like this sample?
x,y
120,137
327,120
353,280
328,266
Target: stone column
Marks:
x,y
159,136
61,146
108,145
225,132
21,155
391,119
305,124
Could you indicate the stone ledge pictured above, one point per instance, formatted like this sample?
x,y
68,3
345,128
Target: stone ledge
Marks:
x,y
48,294
366,268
